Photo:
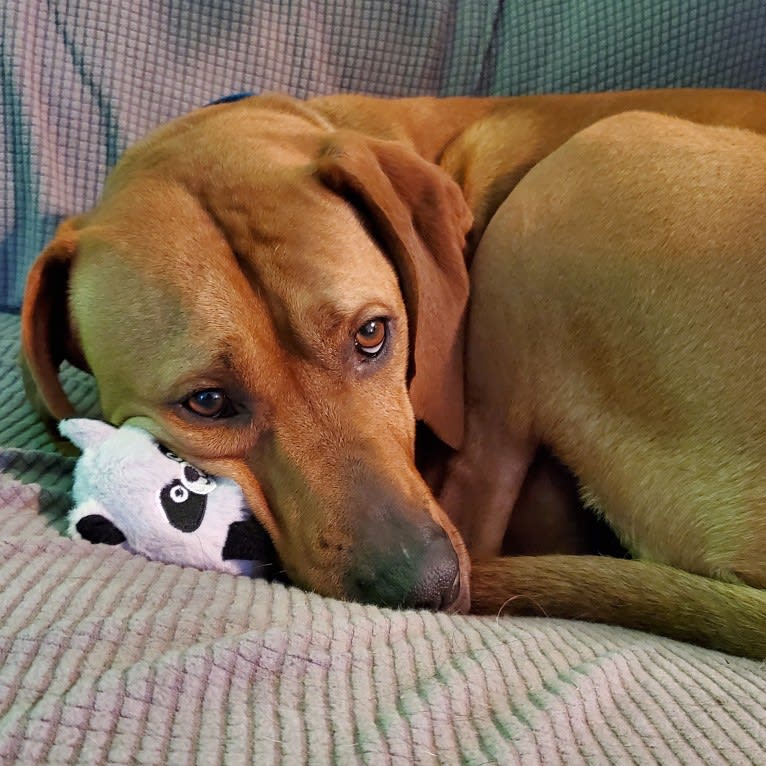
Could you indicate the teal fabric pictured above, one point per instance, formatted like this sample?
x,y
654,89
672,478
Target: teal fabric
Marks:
x,y
83,79
108,658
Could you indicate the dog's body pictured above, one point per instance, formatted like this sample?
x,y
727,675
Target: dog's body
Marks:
x,y
247,285
636,345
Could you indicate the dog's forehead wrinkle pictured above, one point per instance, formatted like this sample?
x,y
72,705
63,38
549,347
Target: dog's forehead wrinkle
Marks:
x,y
313,279
250,212
241,187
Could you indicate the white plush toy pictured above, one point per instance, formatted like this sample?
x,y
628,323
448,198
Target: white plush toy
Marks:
x,y
133,492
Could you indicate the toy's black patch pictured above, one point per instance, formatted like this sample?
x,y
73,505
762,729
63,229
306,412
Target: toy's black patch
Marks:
x,y
248,540
191,474
169,453
98,529
185,510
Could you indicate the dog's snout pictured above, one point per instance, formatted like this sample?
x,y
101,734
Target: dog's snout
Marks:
x,y
439,582
422,571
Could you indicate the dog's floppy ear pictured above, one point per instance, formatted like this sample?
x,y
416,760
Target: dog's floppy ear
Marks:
x,y
418,214
46,337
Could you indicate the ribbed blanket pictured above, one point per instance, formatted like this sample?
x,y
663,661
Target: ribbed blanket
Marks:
x,y
107,658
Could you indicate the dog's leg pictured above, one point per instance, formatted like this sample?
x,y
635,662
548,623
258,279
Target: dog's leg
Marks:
x,y
485,477
483,482
730,617
549,516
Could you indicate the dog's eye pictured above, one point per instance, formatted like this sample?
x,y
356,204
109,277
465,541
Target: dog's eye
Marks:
x,y
210,403
371,337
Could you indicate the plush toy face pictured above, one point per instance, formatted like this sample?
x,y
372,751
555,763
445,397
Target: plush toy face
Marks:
x,y
184,498
131,491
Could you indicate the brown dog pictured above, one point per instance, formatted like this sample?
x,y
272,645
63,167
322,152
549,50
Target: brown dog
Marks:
x,y
277,290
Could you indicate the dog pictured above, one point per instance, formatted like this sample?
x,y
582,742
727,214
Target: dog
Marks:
x,y
278,290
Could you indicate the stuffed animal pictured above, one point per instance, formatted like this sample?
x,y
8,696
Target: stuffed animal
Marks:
x,y
132,492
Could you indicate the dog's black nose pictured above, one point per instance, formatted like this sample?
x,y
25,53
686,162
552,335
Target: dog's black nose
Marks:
x,y
438,586
416,568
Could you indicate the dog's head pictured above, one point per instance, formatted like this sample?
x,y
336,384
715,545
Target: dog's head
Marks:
x,y
278,301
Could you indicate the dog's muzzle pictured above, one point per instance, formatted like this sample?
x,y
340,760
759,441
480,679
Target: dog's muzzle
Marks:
x,y
410,566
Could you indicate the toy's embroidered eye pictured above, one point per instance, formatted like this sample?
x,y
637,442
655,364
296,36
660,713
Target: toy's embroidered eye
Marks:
x,y
184,508
196,481
210,403
170,454
192,478
191,474
179,493
371,337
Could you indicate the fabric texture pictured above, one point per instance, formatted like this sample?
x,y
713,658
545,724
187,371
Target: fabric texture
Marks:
x,y
107,658
83,78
